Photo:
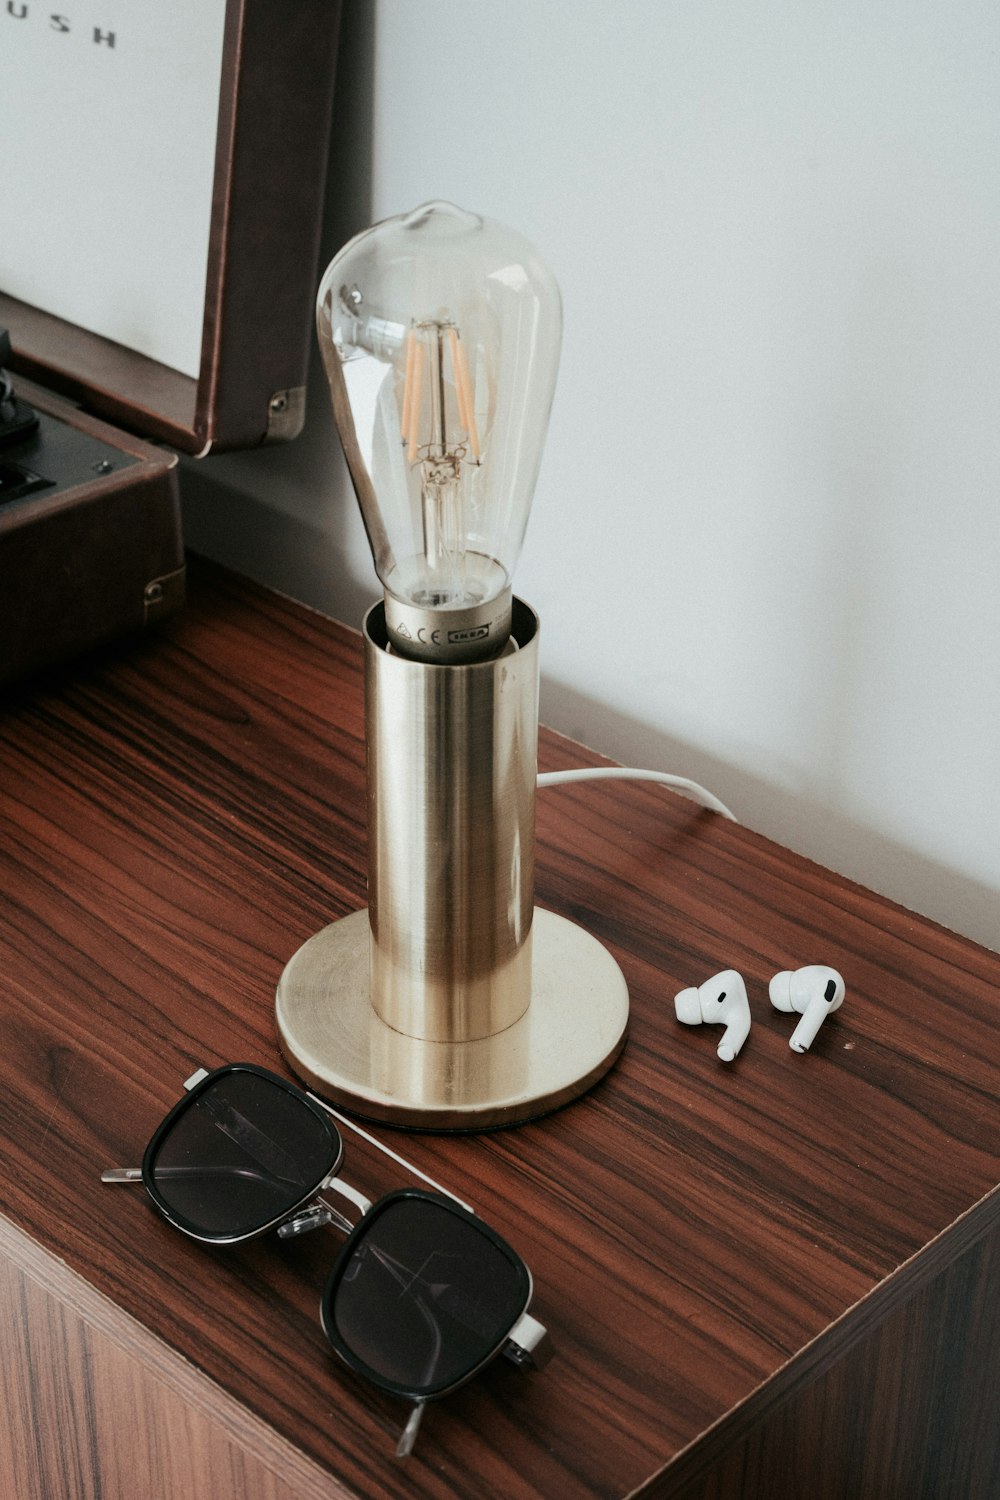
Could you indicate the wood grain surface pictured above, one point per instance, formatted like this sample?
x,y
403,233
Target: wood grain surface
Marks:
x,y
737,1263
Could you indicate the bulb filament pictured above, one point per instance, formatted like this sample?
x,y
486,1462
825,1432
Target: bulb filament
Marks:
x,y
435,360
438,430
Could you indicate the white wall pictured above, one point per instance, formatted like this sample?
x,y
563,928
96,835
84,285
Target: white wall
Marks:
x,y
766,534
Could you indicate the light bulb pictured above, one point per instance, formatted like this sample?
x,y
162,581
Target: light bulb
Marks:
x,y
440,333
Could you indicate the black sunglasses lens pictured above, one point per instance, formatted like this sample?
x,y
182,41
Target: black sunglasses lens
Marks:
x,y
244,1152
423,1296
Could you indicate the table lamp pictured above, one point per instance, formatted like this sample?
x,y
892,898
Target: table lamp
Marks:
x,y
451,1002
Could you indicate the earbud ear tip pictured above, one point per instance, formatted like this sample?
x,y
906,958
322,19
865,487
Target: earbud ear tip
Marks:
x,y
688,1007
780,990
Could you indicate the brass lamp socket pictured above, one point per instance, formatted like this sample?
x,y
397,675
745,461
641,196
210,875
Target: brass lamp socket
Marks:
x,y
451,835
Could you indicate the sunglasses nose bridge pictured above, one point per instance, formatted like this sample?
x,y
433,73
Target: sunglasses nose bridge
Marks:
x,y
338,1185
319,1213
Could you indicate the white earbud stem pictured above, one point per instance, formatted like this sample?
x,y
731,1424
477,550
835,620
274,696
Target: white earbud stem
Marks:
x,y
720,1001
814,992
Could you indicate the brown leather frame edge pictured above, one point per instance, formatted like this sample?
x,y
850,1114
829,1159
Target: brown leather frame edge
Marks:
x,y
271,156
275,107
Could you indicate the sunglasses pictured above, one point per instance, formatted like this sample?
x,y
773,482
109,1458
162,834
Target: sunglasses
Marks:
x,y
422,1295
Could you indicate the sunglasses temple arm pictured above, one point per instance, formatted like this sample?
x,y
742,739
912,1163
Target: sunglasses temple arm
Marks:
x,y
408,1436
387,1151
134,1174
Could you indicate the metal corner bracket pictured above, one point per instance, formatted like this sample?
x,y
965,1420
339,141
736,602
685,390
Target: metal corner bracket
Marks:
x,y
286,415
163,596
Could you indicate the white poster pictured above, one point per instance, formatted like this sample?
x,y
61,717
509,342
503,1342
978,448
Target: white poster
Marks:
x,y
108,113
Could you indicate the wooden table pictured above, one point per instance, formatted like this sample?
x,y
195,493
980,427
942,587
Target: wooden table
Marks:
x,y
776,1278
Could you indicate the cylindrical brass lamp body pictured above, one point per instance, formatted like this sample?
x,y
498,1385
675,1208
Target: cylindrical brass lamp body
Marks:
x,y
452,765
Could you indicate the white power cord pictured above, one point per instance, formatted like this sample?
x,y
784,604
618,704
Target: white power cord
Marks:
x,y
622,773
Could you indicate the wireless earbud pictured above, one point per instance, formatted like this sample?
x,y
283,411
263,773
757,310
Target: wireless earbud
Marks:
x,y
721,1001
815,992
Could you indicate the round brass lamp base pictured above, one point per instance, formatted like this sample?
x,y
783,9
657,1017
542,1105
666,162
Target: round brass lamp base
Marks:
x,y
570,1035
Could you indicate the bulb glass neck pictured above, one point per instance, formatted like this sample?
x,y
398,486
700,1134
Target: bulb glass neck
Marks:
x,y
449,635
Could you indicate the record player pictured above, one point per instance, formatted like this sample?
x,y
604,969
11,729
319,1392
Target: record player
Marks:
x,y
161,193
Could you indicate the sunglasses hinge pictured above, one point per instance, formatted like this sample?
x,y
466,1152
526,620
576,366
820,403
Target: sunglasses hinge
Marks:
x,y
528,1343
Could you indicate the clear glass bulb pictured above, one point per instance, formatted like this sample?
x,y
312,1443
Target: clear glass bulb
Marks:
x,y
440,332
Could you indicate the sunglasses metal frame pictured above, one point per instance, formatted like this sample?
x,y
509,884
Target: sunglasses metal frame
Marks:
x,y
202,1083
362,1230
